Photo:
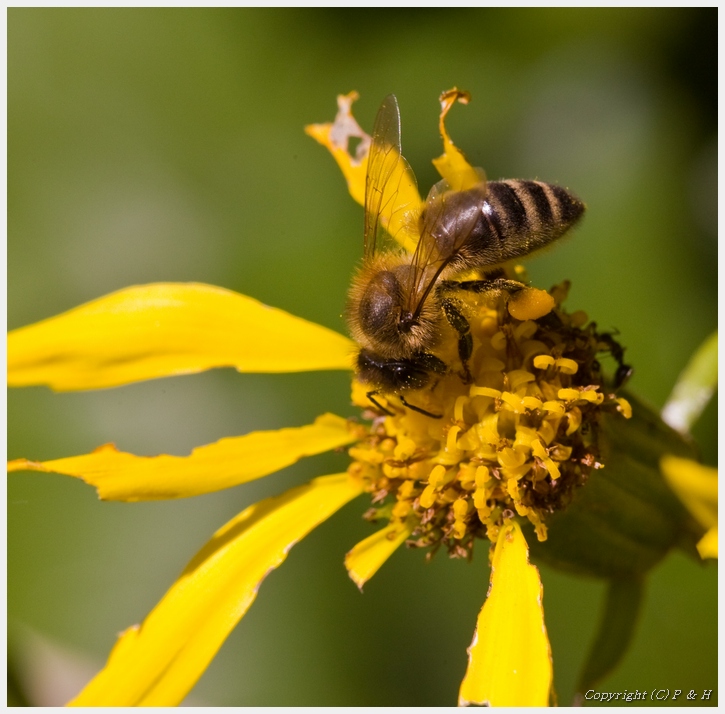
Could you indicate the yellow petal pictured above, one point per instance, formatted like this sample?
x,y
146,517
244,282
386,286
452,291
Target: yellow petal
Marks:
x,y
509,660
165,329
452,164
366,558
401,197
335,138
157,663
119,476
707,545
695,485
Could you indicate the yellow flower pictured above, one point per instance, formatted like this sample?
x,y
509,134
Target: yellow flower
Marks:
x,y
498,444
695,484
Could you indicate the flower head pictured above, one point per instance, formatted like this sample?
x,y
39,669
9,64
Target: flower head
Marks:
x,y
515,436
502,417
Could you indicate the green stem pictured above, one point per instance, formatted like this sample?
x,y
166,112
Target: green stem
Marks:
x,y
616,629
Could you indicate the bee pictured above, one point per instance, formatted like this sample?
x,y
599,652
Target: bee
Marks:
x,y
399,301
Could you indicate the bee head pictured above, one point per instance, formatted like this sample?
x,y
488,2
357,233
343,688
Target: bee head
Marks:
x,y
406,323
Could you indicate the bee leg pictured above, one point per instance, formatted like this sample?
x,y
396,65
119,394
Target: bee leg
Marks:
x,y
371,397
622,375
418,409
624,371
483,286
465,341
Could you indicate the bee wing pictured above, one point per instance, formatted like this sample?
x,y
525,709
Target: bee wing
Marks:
x,y
448,225
386,172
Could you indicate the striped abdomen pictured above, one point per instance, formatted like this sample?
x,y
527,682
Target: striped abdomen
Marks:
x,y
502,220
520,217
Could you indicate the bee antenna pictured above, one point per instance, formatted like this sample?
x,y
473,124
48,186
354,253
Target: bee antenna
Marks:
x,y
418,409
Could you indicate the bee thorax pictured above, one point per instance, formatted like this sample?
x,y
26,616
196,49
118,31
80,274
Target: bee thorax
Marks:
x,y
379,315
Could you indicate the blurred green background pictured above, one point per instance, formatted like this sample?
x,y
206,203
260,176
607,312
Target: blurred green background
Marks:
x,y
167,145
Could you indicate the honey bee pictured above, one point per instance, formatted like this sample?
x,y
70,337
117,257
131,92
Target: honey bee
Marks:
x,y
399,301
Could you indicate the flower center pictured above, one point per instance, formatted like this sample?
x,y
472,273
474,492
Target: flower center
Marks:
x,y
519,427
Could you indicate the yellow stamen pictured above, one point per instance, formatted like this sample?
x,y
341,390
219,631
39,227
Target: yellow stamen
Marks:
x,y
566,366
544,361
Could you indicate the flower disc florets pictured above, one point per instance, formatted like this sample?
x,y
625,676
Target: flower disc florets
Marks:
x,y
516,437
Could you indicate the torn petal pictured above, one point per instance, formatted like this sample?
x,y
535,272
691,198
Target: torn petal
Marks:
x,y
159,662
452,164
400,201
119,476
335,138
166,329
509,660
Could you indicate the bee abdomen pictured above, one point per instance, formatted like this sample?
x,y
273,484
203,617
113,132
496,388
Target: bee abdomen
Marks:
x,y
527,215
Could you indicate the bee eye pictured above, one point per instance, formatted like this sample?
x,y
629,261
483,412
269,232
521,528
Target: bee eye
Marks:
x,y
375,309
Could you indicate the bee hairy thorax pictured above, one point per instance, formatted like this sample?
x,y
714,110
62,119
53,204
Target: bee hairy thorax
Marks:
x,y
377,311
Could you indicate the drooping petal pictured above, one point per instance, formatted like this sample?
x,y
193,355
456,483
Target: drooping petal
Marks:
x,y
509,660
452,164
366,558
164,329
401,197
707,545
696,486
157,663
119,476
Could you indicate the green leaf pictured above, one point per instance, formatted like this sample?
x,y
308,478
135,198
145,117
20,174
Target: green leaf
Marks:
x,y
694,388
